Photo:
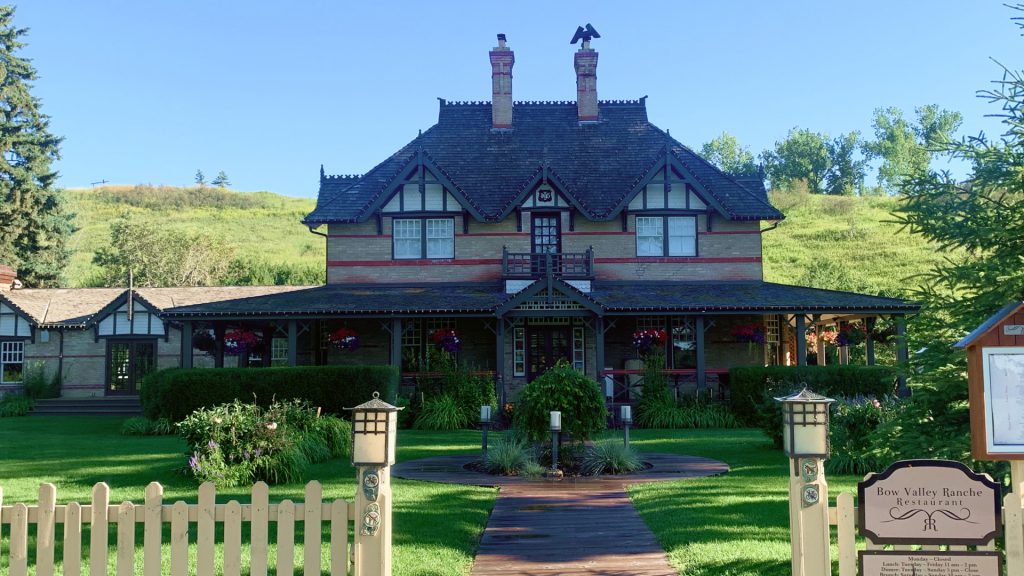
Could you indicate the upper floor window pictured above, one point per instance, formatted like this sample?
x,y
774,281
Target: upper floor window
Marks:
x,y
12,362
666,235
424,238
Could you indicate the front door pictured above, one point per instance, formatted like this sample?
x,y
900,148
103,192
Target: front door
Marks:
x,y
545,238
128,362
546,345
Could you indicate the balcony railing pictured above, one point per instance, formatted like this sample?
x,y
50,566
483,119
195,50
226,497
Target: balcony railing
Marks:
x,y
568,265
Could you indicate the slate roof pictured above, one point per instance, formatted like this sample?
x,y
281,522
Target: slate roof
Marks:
x,y
599,165
77,307
739,297
338,299
689,297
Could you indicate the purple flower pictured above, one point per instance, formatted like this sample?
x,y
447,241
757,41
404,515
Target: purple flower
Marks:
x,y
212,445
246,454
193,462
257,453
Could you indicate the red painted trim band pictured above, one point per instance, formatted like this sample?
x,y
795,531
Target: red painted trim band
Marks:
x,y
417,262
598,233
679,260
733,232
495,261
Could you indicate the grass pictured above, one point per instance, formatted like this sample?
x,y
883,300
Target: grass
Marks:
x,y
437,526
731,525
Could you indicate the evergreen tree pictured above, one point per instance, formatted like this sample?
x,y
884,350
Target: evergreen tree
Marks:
x,y
221,181
34,222
979,224
200,179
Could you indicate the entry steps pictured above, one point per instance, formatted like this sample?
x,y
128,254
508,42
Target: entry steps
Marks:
x,y
103,406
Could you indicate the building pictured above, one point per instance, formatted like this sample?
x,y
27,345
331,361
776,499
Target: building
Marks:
x,y
534,231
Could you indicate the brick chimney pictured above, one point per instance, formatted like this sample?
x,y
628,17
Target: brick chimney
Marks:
x,y
585,63
502,60
8,276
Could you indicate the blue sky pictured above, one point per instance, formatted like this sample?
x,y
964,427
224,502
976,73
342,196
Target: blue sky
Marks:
x,y
149,92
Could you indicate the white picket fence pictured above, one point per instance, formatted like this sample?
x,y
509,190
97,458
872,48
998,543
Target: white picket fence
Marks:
x,y
844,517
200,519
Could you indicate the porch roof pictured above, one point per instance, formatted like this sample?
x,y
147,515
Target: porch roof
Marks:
x,y
340,300
737,297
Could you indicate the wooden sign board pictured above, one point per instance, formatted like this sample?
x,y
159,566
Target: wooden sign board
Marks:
x,y
929,502
995,382
921,563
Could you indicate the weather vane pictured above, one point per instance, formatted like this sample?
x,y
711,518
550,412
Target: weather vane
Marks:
x,y
585,34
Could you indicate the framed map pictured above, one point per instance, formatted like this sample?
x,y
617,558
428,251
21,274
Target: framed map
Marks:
x,y
1003,369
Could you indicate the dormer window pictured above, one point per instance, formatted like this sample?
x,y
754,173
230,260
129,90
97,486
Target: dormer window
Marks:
x,y
417,238
666,235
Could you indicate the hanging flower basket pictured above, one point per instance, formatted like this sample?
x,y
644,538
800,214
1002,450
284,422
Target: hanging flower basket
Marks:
x,y
749,333
240,342
204,341
344,339
647,341
446,339
850,335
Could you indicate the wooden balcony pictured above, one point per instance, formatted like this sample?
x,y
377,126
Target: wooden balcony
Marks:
x,y
530,265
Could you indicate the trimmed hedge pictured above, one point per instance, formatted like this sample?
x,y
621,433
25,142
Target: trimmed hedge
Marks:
x,y
750,386
177,392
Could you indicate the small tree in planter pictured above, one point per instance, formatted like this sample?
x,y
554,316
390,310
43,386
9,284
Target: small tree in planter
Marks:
x,y
565,389
650,344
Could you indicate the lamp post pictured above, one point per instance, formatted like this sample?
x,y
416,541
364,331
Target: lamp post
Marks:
x,y
805,442
626,415
374,432
556,427
485,422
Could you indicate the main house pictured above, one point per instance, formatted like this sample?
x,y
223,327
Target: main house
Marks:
x,y
532,231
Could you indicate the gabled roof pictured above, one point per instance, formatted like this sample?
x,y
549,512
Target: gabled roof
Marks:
x,y
1006,312
598,165
79,307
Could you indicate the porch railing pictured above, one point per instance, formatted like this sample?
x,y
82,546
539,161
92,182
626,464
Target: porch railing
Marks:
x,y
624,386
527,265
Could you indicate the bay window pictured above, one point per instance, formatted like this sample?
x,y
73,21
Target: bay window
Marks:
x,y
423,238
666,235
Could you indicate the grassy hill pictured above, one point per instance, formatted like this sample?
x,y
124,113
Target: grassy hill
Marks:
x,y
259,225
831,242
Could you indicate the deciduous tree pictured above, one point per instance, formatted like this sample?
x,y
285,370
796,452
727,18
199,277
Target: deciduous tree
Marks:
x,y
35,224
726,153
845,174
906,148
803,155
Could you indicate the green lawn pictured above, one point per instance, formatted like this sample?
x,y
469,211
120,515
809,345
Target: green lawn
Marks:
x,y
730,525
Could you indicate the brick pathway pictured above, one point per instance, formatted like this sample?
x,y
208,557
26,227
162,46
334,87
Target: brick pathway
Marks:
x,y
572,526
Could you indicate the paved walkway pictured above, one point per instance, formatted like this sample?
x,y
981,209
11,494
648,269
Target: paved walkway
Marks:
x,y
572,526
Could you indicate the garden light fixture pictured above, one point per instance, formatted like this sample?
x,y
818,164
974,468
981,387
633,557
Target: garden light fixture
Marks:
x,y
805,424
485,421
374,428
626,415
556,427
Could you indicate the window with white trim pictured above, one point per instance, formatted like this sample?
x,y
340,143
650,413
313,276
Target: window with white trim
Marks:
x,y
666,235
423,238
12,362
279,352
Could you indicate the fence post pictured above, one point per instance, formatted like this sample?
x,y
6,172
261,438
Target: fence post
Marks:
x,y
374,429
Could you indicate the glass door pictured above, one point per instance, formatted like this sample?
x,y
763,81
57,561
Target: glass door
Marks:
x,y
545,238
546,345
128,362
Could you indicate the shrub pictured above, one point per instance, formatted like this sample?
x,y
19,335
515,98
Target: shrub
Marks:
x,y
236,444
510,455
852,426
609,457
37,385
440,413
15,405
692,413
142,426
177,392
753,388
469,391
562,388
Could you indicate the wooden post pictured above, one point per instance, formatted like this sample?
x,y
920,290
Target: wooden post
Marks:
x,y
801,340
372,551
599,351
186,344
218,335
499,361
293,343
901,354
869,342
808,518
396,343
702,377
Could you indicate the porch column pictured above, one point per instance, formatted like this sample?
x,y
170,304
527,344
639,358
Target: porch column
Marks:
x,y
869,342
396,343
186,344
499,362
819,347
698,328
293,343
268,350
901,355
801,340
218,336
844,351
599,350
